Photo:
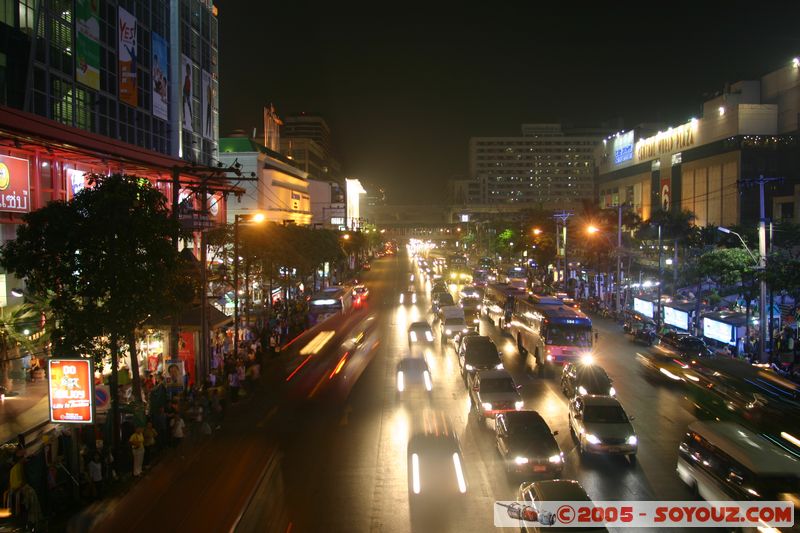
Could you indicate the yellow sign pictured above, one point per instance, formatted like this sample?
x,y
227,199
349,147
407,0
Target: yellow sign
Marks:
x,y
5,177
672,140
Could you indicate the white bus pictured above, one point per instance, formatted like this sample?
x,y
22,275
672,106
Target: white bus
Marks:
x,y
328,302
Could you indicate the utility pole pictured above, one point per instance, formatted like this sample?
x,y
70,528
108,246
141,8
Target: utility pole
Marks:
x,y
762,262
561,217
660,276
618,281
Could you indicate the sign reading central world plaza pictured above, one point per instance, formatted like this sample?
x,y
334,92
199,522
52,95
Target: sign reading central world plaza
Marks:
x,y
664,142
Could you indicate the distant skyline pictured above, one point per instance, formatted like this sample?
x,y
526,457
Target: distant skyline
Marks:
x,y
404,92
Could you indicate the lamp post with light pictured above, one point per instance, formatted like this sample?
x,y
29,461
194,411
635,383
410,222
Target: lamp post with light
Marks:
x,y
761,264
256,218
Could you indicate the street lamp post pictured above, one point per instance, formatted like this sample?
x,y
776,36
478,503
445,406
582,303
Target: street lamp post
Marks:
x,y
761,263
256,218
660,280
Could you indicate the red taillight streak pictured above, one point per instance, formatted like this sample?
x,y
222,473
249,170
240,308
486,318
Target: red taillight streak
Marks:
x,y
339,365
298,367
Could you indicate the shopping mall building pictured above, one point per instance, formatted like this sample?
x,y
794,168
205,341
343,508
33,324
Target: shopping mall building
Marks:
x,y
704,164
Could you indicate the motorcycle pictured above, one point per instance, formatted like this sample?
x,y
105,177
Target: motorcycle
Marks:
x,y
645,336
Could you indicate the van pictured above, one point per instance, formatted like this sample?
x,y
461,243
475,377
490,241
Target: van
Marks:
x,y
724,461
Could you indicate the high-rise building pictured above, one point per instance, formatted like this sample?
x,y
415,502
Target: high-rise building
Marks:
x,y
140,71
547,166
306,139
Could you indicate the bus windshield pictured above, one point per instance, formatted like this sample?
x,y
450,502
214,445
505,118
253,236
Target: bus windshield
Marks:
x,y
568,335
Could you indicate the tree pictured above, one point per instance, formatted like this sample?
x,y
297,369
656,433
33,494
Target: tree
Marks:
x,y
106,263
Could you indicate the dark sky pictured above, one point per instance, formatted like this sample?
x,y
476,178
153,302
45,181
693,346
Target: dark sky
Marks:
x,y
405,90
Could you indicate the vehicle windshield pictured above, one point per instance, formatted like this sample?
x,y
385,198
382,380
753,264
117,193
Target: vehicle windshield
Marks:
x,y
454,322
498,385
445,299
563,335
470,302
606,414
594,380
528,426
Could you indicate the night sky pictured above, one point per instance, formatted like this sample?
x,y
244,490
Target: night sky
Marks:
x,y
404,91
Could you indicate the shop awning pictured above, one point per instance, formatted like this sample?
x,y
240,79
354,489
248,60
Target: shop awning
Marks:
x,y
190,319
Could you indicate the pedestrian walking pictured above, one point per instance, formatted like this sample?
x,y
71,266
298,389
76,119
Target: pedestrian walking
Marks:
x,y
96,475
137,449
178,426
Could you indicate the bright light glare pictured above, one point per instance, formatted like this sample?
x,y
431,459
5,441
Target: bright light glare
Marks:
x,y
554,459
669,374
429,336
413,336
592,230
258,218
415,481
486,406
462,484
791,438
632,440
592,439
401,383
612,391
582,391
518,405
428,384
587,359
317,343
402,297
521,460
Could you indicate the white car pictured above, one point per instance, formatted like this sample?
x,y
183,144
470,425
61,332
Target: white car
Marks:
x,y
420,333
600,425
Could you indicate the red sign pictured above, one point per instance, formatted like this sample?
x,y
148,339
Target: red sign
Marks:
x,y
71,391
14,184
666,194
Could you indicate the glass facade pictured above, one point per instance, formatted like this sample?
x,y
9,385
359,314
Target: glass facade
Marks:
x,y
42,74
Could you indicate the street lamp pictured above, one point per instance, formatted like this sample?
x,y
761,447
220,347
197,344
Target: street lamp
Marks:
x,y
256,218
761,264
537,231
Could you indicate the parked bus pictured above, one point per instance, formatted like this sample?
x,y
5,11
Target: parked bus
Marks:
x,y
549,333
498,302
328,302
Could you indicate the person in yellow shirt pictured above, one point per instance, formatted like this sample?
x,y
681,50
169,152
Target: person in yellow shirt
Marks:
x,y
137,447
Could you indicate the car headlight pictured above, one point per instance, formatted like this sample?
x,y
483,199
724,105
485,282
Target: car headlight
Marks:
x,y
464,330
413,298
555,459
587,359
415,481
521,460
592,439
402,297
486,406
452,276
518,405
612,391
632,440
429,336
479,308
469,367
427,376
549,357
499,367
582,391
401,384
413,336
448,332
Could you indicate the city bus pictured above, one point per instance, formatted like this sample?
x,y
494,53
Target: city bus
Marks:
x,y
328,302
548,332
498,302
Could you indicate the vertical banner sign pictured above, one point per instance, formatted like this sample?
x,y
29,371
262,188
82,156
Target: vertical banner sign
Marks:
x,y
159,74
208,106
87,43
666,194
71,391
187,93
14,185
127,58
76,181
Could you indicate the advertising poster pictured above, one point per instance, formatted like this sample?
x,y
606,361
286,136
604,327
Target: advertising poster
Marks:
x,y
14,184
76,181
187,92
87,43
160,80
208,106
71,391
127,58
186,353
173,376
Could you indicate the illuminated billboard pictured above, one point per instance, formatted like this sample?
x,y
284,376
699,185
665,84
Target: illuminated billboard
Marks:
x,y
643,307
71,391
676,317
623,147
719,331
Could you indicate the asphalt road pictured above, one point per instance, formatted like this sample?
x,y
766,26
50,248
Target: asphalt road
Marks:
x,y
344,449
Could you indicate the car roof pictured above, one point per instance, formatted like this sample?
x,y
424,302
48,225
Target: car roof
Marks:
x,y
412,363
753,451
476,339
559,490
583,370
494,374
596,399
526,417
415,325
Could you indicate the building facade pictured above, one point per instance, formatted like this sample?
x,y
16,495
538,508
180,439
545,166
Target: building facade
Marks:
x,y
306,139
140,71
705,164
280,191
546,167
